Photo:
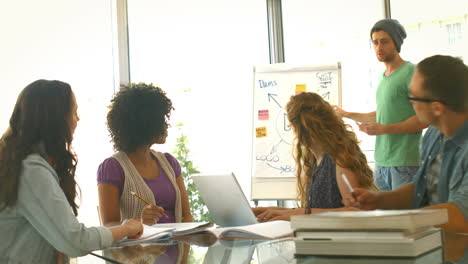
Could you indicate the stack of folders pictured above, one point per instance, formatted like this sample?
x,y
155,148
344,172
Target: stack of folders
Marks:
x,y
378,233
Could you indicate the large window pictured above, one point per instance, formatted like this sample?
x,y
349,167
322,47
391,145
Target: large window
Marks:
x,y
337,31
202,54
442,28
69,41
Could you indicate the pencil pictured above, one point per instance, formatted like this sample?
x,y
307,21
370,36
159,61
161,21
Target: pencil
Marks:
x,y
139,197
144,200
350,188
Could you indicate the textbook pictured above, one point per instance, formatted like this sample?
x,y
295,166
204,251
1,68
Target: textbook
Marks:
x,y
410,220
406,247
357,234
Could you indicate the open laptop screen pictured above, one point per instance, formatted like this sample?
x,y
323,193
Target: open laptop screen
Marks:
x,y
225,200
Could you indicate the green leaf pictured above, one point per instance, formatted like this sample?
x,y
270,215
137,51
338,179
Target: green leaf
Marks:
x,y
182,153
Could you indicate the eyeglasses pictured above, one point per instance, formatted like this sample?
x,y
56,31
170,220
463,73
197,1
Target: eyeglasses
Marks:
x,y
424,100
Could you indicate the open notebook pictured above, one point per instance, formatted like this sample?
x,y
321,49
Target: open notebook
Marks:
x,y
150,234
164,232
263,231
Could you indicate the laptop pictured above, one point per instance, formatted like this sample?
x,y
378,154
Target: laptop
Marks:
x,y
225,200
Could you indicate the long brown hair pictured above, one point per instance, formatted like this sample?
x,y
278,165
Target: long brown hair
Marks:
x,y
317,127
39,124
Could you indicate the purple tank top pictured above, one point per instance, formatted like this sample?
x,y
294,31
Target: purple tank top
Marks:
x,y
110,171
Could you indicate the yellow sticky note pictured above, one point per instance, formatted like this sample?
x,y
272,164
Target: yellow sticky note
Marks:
x,y
261,132
300,88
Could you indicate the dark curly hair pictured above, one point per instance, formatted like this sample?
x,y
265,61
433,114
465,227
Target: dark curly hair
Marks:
x,y
137,116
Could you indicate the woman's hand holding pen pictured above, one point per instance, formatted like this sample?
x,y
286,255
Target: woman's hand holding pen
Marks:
x,y
363,199
151,214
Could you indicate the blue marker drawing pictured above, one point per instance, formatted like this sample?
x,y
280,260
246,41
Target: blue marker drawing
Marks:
x,y
326,95
270,96
275,147
325,79
265,84
286,122
283,169
268,158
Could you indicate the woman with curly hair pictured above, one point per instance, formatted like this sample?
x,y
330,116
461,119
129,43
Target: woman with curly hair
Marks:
x,y
325,148
37,182
137,120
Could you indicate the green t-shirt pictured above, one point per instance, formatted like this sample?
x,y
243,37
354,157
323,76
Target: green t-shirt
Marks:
x,y
393,106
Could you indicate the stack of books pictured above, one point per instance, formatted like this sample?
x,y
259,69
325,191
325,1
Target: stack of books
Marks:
x,y
383,233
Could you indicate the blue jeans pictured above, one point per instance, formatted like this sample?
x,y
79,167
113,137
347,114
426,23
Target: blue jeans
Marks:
x,y
391,178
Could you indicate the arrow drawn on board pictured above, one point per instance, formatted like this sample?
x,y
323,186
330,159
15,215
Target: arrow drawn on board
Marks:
x,y
326,95
270,96
283,169
275,147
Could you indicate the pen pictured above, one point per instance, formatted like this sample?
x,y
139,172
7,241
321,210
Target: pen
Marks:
x,y
350,188
148,203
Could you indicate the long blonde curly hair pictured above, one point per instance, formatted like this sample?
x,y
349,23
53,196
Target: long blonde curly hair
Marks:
x,y
318,128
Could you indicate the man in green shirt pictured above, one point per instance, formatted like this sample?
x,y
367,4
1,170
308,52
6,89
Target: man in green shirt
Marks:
x,y
395,124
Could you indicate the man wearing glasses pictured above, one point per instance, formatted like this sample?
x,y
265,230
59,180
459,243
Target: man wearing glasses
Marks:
x,y
394,123
439,94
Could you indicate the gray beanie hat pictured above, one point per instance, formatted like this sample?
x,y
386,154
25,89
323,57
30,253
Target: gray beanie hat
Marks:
x,y
393,28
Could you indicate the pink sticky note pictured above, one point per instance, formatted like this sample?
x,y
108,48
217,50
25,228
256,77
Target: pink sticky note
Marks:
x,y
263,115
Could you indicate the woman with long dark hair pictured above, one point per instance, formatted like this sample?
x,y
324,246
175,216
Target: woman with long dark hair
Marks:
x,y
325,148
37,181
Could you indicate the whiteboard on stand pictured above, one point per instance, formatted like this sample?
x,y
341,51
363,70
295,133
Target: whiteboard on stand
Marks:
x,y
273,170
